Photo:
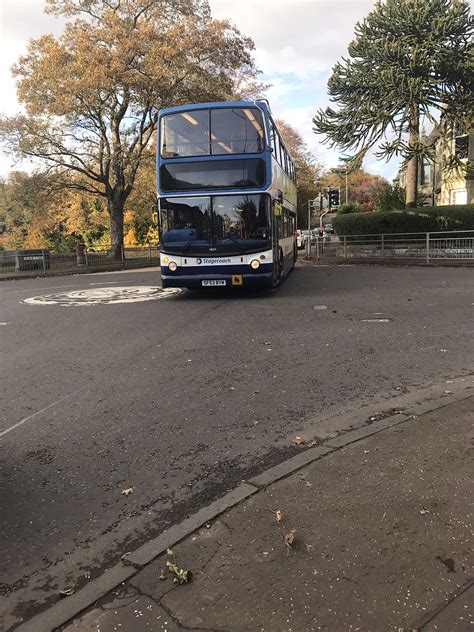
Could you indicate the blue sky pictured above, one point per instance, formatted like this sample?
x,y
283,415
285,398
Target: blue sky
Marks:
x,y
297,42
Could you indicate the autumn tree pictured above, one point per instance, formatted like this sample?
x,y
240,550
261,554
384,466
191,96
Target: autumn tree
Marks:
x,y
363,187
91,97
141,217
307,169
25,209
40,212
409,59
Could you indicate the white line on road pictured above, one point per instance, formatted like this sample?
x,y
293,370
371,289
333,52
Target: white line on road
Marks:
x,y
51,287
376,320
38,412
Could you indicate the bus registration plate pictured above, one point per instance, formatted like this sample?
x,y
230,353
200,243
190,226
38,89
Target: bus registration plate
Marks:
x,y
213,283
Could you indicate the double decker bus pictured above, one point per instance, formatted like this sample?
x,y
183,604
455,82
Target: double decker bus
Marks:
x,y
226,197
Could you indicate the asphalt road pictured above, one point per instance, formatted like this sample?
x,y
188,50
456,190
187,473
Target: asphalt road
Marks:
x,y
182,397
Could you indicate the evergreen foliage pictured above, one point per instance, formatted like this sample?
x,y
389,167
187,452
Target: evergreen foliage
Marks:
x,y
409,59
421,220
351,207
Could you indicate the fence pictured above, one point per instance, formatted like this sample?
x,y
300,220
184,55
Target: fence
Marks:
x,y
410,247
42,261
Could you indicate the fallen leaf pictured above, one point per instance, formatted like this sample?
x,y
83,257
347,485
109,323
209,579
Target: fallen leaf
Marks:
x,y
127,492
278,516
312,444
289,539
424,511
181,575
66,593
169,552
162,574
308,484
297,440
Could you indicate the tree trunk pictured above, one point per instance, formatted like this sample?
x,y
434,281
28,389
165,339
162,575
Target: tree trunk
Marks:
x,y
115,206
412,166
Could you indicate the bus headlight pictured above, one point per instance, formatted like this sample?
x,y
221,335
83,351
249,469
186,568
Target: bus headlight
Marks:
x,y
172,266
255,264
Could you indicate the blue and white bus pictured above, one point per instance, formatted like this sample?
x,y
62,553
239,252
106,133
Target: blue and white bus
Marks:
x,y
227,196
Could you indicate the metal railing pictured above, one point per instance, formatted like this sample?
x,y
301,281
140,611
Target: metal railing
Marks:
x,y
410,247
43,261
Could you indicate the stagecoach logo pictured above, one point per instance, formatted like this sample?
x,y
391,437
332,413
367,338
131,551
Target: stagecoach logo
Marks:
x,y
213,261
103,296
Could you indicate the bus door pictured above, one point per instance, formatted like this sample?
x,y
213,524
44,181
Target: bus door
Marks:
x,y
277,219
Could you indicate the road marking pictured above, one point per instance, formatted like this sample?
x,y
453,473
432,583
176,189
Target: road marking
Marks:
x,y
38,412
103,296
51,287
375,320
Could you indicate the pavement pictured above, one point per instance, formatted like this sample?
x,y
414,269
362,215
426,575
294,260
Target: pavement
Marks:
x,y
381,539
184,397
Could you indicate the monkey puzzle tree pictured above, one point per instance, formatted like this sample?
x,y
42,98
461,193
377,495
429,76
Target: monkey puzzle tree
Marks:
x,y
91,97
409,59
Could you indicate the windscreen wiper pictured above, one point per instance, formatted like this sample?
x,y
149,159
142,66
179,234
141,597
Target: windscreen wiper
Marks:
x,y
187,244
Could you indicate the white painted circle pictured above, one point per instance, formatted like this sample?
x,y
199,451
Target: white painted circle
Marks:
x,y
103,296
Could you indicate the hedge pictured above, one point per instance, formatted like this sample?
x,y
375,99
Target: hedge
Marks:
x,y
353,207
417,220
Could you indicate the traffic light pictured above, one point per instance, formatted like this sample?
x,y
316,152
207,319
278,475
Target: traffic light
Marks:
x,y
333,195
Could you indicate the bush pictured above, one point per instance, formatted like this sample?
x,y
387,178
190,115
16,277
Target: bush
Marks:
x,y
390,198
417,220
352,207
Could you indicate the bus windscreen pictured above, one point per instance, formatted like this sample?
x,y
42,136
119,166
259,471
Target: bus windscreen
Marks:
x,y
215,221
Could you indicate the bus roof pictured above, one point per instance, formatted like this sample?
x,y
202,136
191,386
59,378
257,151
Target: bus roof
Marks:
x,y
215,104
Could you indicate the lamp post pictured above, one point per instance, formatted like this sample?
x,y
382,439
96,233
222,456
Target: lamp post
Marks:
x,y
308,243
312,205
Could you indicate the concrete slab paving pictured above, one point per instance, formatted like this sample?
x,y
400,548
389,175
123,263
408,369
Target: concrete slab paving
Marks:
x,y
120,615
382,537
458,616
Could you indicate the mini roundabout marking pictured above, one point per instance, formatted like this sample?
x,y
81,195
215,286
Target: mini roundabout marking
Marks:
x,y
104,296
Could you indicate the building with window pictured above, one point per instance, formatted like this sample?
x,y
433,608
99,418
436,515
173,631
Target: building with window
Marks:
x,y
438,184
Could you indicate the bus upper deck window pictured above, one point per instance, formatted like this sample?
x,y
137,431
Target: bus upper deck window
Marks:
x,y
236,131
185,134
